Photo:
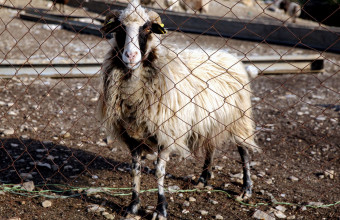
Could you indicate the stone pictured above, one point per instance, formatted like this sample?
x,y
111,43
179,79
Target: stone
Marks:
x,y
237,176
293,178
279,214
185,211
26,176
29,186
186,204
213,202
329,173
203,212
192,199
218,216
281,208
173,189
291,217
95,208
9,131
269,181
46,203
262,215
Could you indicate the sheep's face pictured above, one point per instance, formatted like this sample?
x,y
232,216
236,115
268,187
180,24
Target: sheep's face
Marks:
x,y
132,28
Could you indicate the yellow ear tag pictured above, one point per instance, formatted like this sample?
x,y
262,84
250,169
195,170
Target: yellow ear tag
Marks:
x,y
162,25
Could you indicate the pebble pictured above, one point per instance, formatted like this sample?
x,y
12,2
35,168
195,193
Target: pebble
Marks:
x,y
329,173
262,215
218,168
237,176
293,178
26,176
269,181
29,186
46,203
213,202
9,131
203,212
95,208
173,189
291,217
14,145
218,216
185,211
321,118
108,215
281,208
15,218
186,204
279,214
316,204
47,165
12,113
192,199
101,143
261,174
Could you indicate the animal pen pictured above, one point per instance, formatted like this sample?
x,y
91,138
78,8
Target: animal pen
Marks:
x,y
57,162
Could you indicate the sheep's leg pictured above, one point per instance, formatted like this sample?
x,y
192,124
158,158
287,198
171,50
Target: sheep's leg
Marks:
x,y
207,172
247,183
136,179
162,205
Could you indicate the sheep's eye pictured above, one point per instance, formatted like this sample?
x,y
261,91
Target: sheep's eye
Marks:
x,y
146,28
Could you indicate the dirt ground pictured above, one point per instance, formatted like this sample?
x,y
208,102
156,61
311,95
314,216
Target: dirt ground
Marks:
x,y
50,135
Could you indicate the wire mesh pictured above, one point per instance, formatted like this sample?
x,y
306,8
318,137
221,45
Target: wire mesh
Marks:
x,y
54,148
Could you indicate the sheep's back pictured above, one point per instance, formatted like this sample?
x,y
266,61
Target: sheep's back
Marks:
x,y
203,97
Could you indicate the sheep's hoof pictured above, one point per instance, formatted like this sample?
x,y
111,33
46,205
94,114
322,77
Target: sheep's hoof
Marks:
x,y
244,196
131,217
157,216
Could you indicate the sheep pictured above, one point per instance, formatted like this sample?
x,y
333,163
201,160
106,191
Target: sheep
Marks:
x,y
155,100
188,5
292,9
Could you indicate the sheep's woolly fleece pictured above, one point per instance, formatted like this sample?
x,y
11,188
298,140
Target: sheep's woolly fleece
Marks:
x,y
134,14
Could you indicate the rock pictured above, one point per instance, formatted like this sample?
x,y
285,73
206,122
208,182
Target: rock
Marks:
x,y
15,218
14,145
186,204
26,176
108,215
12,113
29,186
185,211
192,199
218,168
279,214
261,174
269,181
254,163
291,217
9,131
101,143
203,212
95,208
46,203
321,118
173,189
237,176
315,204
218,216
262,215
213,202
281,208
293,178
329,173
40,164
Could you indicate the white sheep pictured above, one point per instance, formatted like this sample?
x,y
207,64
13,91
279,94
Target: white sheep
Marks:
x,y
156,100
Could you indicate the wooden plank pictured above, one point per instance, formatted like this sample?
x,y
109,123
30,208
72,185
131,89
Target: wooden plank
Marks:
x,y
321,37
266,65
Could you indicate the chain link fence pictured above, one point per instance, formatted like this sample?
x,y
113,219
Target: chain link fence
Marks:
x,y
56,162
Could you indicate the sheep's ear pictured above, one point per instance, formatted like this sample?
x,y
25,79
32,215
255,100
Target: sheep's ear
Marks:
x,y
158,28
111,22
